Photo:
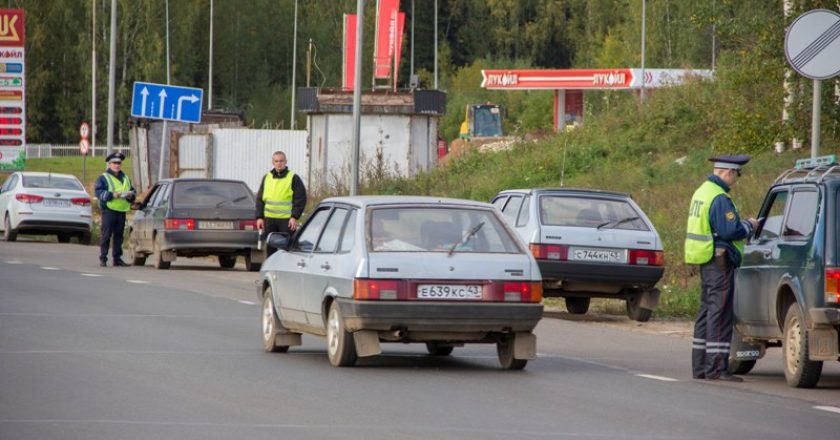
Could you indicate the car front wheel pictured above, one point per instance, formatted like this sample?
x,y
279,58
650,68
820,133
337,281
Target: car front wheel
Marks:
x,y
226,261
157,256
341,348
136,258
800,371
577,305
271,325
438,349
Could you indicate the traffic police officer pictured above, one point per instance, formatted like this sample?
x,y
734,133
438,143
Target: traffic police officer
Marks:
x,y
281,198
115,193
715,240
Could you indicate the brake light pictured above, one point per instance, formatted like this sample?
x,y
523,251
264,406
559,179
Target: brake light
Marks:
x,y
647,258
29,198
549,251
184,224
83,201
518,291
380,289
832,285
248,225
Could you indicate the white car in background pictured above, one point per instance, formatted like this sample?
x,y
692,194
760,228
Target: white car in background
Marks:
x,y
45,204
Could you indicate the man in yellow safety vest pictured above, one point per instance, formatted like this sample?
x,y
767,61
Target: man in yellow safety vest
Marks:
x,y
115,194
715,241
281,198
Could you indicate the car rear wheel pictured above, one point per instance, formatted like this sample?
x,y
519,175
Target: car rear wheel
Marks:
x,y
84,239
577,305
8,233
504,349
635,311
251,266
800,371
438,349
271,325
64,238
157,257
341,348
227,261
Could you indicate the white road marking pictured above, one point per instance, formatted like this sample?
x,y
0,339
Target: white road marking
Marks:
x,y
137,281
247,303
832,409
13,262
92,275
662,378
50,268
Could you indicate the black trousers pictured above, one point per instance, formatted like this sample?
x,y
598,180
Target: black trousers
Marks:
x,y
715,320
275,225
113,223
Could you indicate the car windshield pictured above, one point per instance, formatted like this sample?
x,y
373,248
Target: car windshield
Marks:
x,y
204,194
438,229
589,213
52,182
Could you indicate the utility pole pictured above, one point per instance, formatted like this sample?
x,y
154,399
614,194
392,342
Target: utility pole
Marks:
x,y
112,74
642,94
163,131
412,41
93,82
294,68
309,63
357,96
210,74
436,44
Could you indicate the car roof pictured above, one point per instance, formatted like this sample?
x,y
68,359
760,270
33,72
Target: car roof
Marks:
x,y
373,201
42,173
197,179
566,191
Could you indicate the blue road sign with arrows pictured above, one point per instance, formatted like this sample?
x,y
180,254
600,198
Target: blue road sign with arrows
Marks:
x,y
172,103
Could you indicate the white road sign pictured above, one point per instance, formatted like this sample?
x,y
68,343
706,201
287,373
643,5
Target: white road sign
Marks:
x,y
812,44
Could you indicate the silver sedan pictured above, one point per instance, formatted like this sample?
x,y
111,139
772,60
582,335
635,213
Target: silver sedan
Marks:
x,y
45,204
368,270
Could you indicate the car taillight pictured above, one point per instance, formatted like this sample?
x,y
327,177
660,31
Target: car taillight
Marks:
x,y
832,285
647,258
364,289
514,291
248,225
29,198
184,224
549,251
83,201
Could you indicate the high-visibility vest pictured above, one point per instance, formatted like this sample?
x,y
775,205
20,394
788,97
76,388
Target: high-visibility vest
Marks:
x,y
699,241
115,185
277,195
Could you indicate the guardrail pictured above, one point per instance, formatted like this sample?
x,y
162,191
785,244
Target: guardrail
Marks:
x,y
37,151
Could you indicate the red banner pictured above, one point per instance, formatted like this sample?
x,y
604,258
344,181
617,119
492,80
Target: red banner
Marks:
x,y
11,27
385,42
398,49
348,66
527,79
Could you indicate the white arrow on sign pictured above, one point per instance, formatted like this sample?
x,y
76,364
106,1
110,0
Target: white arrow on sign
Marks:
x,y
162,95
145,94
192,99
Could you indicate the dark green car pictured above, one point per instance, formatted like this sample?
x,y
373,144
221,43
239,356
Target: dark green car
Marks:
x,y
787,292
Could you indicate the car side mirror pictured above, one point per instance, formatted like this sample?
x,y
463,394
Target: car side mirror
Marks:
x,y
278,240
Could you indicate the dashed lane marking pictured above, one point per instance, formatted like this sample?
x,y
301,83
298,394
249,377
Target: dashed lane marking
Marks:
x,y
247,303
92,275
654,377
832,409
137,281
13,262
50,268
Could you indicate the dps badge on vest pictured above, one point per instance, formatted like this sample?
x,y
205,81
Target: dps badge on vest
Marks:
x,y
730,216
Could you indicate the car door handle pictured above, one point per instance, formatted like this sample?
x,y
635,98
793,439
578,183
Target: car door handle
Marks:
x,y
301,264
326,266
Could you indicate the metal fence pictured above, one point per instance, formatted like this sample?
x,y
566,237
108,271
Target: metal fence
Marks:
x,y
37,151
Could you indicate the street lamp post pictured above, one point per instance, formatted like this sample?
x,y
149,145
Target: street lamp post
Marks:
x,y
357,96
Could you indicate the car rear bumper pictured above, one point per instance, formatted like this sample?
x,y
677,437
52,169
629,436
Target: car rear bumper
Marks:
x,y
209,241
439,316
825,316
622,275
47,226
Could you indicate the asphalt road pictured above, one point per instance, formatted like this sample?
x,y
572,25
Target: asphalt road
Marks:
x,y
136,353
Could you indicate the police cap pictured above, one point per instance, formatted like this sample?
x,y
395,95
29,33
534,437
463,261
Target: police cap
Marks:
x,y
115,157
730,162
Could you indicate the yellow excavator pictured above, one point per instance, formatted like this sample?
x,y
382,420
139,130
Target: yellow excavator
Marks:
x,y
482,126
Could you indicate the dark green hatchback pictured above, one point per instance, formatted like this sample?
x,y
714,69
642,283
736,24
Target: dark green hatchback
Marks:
x,y
787,291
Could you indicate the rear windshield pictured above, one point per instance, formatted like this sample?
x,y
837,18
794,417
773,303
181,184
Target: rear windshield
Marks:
x,y
52,182
438,230
589,213
213,195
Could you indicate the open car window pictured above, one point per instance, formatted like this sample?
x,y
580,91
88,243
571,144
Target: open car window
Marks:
x,y
772,226
802,215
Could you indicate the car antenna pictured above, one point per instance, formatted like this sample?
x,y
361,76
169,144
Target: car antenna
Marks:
x,y
563,166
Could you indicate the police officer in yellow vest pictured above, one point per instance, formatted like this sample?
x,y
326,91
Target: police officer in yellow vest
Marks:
x,y
715,241
115,194
281,198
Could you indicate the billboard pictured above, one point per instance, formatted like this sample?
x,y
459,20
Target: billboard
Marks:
x,y
385,41
12,90
349,60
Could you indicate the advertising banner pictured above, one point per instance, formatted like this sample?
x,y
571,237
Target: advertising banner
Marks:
x,y
12,90
398,48
385,37
348,63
